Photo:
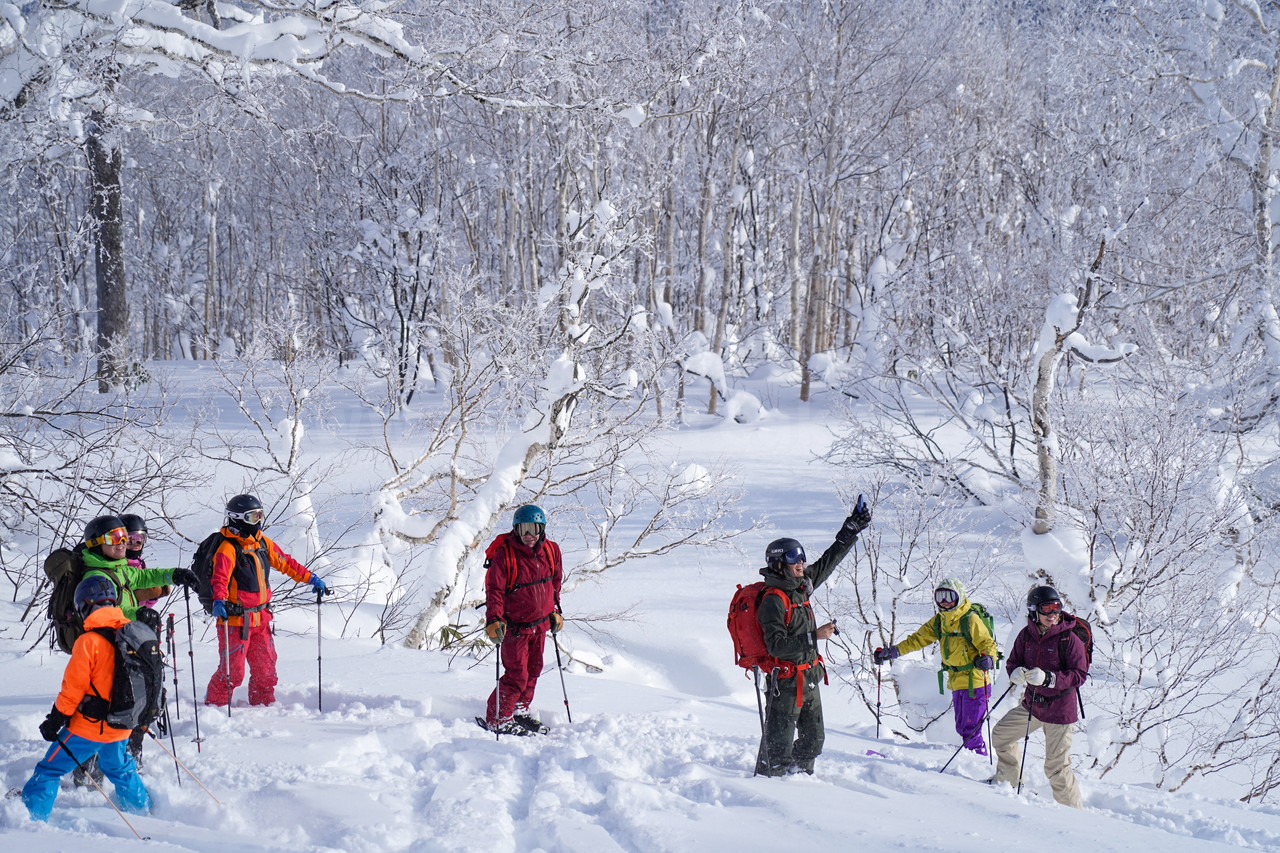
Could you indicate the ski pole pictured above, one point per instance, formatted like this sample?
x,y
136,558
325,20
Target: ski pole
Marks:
x,y
319,658
168,724
878,671
226,661
985,719
497,684
174,756
1031,694
560,666
72,756
191,656
991,747
764,728
173,659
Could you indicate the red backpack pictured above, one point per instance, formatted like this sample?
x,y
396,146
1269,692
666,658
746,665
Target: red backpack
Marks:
x,y
748,639
744,628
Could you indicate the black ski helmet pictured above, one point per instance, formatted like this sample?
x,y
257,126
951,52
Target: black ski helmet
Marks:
x,y
1039,595
96,530
134,523
782,552
244,515
93,592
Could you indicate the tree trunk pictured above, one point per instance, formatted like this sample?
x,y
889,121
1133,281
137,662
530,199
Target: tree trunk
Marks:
x,y
105,166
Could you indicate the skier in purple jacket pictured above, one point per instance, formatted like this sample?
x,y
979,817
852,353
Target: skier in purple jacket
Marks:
x,y
1050,660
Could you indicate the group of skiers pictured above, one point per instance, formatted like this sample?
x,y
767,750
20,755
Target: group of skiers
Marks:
x,y
117,588
523,577
1049,658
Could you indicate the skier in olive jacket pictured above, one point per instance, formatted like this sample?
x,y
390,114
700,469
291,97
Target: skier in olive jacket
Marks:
x,y
794,731
1051,661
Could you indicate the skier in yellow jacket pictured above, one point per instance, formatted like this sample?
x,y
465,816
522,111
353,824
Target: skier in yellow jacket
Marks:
x,y
968,655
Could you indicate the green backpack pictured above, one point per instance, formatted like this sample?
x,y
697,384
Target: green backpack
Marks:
x,y
975,609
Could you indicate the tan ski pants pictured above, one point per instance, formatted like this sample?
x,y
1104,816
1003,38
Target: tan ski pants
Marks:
x,y
1007,738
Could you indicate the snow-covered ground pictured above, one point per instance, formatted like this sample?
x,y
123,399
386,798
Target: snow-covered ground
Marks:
x,y
657,757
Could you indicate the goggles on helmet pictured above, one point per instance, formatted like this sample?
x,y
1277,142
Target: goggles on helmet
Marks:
x,y
118,536
253,516
946,598
1047,607
791,556
528,528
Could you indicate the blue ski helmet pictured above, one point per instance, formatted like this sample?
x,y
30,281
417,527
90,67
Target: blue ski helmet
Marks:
x,y
93,592
529,513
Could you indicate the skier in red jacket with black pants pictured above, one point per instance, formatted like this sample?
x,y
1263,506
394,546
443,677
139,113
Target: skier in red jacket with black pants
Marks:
x,y
522,601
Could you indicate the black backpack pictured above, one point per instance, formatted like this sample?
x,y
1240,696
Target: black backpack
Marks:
x,y
202,566
65,568
137,692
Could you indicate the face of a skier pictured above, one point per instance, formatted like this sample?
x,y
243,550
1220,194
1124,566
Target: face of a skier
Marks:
x,y
528,533
1049,614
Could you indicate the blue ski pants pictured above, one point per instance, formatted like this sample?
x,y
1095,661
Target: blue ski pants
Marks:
x,y
114,760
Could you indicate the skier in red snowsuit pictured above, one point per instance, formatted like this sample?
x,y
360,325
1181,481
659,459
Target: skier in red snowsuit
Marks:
x,y
522,601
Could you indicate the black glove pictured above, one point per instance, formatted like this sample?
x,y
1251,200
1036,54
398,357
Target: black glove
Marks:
x,y
149,617
186,577
855,523
885,655
53,724
984,663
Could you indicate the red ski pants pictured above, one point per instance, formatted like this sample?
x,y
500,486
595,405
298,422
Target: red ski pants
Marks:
x,y
255,647
521,666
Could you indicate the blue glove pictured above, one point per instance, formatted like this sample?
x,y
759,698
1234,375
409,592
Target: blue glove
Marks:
x,y
220,609
318,585
984,663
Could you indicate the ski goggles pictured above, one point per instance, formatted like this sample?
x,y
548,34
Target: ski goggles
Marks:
x,y
946,598
119,536
253,516
137,539
528,528
791,556
1049,607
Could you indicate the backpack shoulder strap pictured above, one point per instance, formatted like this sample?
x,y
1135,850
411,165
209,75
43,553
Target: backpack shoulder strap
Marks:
x,y
108,634
787,604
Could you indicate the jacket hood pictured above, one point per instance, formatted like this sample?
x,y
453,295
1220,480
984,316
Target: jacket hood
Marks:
x,y
787,582
957,586
248,542
93,560
105,617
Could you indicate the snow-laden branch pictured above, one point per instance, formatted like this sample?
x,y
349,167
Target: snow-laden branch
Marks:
x,y
1059,334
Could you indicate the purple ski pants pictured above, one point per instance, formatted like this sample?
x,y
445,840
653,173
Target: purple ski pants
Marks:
x,y
970,712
